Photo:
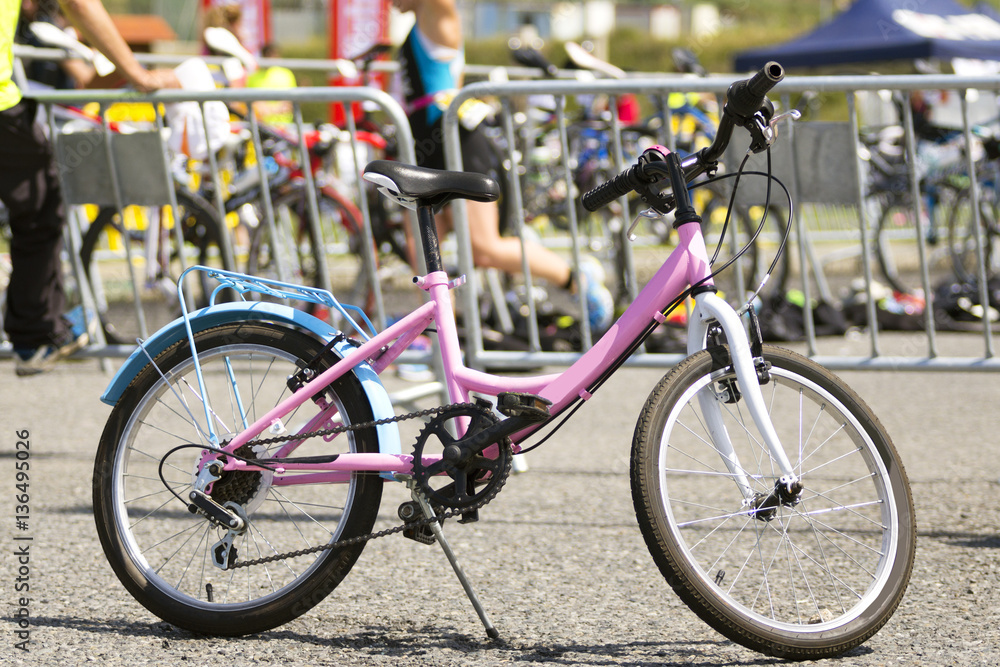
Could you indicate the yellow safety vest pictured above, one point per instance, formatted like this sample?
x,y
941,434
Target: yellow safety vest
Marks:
x,y
9,94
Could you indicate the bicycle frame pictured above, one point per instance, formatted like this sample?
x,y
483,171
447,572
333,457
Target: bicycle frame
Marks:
x,y
687,264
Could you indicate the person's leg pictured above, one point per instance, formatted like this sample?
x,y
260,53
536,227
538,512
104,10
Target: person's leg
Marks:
x,y
29,187
490,250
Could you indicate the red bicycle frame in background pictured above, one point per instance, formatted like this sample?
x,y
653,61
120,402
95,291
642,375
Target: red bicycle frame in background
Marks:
x,y
255,24
355,27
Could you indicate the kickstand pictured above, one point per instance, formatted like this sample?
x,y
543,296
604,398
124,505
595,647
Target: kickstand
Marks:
x,y
435,527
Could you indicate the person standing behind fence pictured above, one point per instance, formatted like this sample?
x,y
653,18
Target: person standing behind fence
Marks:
x,y
29,188
228,16
431,62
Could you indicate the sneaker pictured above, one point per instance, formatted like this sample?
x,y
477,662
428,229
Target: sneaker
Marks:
x,y
81,322
417,372
600,304
35,360
32,361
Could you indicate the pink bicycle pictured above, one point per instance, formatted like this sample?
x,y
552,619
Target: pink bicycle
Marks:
x,y
241,471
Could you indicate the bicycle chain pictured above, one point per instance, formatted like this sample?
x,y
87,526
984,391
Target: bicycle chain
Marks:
x,y
370,536
356,427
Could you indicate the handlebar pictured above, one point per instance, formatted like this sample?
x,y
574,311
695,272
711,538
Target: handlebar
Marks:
x,y
745,97
746,106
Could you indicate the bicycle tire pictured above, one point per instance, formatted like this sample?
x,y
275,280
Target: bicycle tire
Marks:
x,y
389,239
161,552
962,237
202,230
896,216
853,528
299,252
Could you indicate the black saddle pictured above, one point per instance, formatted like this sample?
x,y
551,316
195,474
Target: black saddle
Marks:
x,y
410,185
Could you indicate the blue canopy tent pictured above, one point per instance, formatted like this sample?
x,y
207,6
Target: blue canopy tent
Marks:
x,y
882,30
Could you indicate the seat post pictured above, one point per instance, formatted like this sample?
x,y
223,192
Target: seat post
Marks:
x,y
429,236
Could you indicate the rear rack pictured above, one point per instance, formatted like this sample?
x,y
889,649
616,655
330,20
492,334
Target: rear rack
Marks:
x,y
243,284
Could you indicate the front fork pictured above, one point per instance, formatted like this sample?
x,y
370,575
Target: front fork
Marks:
x,y
710,309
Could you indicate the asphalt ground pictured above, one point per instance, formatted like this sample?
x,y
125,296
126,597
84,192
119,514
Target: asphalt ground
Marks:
x,y
557,558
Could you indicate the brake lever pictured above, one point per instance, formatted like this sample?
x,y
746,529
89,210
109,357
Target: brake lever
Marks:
x,y
765,132
649,214
794,114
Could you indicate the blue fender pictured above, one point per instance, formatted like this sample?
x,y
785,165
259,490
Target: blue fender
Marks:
x,y
243,311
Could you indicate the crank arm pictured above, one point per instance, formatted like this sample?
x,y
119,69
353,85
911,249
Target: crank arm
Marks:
x,y
521,410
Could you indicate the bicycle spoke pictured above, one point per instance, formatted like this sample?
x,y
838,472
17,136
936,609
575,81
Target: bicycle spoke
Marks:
x,y
170,549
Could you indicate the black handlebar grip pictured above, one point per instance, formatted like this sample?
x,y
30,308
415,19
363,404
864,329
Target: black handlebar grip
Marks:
x,y
607,192
745,97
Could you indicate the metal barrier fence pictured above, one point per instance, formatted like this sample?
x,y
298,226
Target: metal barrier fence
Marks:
x,y
114,170
820,163
815,159
121,167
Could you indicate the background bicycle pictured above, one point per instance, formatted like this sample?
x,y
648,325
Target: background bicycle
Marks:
x,y
945,208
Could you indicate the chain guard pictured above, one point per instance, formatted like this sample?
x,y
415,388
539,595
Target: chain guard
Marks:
x,y
454,484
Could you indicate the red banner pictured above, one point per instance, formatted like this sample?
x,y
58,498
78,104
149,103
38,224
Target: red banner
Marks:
x,y
355,27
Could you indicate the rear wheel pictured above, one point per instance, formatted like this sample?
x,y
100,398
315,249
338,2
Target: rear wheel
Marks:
x,y
805,577
896,242
163,553
293,256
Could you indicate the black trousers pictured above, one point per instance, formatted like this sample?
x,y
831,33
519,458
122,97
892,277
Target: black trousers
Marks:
x,y
29,188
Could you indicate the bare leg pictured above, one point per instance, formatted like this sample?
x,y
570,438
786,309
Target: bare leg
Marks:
x,y
490,250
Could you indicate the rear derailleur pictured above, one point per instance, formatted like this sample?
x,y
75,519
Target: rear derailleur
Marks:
x,y
214,496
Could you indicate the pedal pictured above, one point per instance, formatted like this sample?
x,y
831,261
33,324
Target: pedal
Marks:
x,y
410,511
471,516
423,535
529,407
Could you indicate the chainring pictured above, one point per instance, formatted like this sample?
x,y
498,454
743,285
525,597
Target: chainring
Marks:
x,y
459,485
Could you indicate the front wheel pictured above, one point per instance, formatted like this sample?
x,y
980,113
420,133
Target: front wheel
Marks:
x,y
810,577
144,471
